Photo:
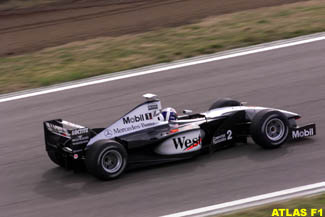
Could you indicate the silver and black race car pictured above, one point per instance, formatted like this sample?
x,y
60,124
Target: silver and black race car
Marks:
x,y
143,136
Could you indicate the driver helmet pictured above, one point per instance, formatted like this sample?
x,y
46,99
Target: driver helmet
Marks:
x,y
169,114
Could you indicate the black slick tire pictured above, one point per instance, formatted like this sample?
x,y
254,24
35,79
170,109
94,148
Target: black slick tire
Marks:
x,y
106,159
269,129
225,102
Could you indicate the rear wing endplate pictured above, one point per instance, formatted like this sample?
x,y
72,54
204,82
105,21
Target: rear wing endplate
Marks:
x,y
59,132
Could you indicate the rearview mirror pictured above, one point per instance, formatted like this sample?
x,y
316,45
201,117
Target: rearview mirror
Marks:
x,y
187,111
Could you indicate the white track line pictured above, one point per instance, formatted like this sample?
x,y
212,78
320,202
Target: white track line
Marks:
x,y
251,201
195,61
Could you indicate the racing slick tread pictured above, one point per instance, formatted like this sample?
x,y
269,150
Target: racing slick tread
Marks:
x,y
225,102
93,161
257,128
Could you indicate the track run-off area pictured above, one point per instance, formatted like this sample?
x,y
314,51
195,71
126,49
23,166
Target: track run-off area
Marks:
x,y
290,78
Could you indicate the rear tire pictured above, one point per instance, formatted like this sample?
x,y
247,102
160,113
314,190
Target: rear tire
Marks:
x,y
106,159
269,129
226,102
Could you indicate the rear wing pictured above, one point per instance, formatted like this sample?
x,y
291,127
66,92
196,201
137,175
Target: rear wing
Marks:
x,y
63,134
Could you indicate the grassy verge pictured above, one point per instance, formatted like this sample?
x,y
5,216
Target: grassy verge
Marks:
x,y
316,202
105,55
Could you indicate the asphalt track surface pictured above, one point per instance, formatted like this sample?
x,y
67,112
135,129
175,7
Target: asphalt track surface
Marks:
x,y
290,78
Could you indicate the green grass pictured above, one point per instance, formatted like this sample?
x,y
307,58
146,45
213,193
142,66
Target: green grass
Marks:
x,y
307,203
108,54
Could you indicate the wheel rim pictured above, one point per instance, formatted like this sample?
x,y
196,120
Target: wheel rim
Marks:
x,y
275,129
112,161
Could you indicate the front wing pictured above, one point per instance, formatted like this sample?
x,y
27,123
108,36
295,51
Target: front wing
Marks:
x,y
301,132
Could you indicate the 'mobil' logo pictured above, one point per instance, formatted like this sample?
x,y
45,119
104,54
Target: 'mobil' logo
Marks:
x,y
296,134
137,118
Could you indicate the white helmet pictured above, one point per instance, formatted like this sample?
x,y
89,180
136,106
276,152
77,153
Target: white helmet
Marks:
x,y
169,114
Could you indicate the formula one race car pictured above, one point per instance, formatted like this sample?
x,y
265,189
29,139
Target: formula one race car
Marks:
x,y
149,135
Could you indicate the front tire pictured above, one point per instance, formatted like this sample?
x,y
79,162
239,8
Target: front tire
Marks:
x,y
269,129
225,102
106,159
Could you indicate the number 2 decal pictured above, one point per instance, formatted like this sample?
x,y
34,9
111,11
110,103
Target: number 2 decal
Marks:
x,y
229,135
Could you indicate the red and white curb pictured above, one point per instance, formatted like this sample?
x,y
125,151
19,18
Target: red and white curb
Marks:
x,y
252,201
